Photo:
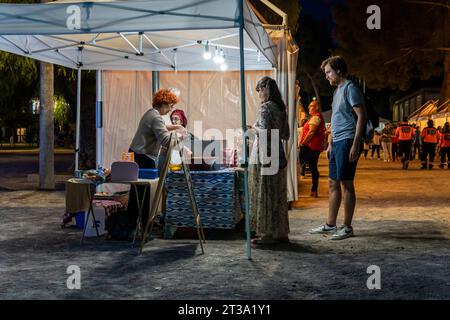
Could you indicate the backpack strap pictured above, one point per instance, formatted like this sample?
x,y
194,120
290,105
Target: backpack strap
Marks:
x,y
346,94
368,131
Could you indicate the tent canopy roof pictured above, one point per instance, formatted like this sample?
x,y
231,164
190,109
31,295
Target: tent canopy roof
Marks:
x,y
427,109
136,35
444,108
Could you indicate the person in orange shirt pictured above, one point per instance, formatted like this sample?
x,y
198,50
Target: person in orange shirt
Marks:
x,y
444,143
405,134
429,141
300,135
312,143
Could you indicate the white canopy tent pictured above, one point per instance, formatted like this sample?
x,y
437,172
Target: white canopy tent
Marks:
x,y
169,35
135,35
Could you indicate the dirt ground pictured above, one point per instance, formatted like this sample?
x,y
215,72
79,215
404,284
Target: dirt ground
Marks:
x,y
402,225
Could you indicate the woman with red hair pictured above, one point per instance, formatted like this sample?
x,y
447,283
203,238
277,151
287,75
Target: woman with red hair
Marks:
x,y
152,132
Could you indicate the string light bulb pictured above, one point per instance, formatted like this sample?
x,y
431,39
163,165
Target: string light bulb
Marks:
x,y
207,54
218,57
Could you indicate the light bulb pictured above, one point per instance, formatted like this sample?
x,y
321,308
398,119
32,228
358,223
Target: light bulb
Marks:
x,y
216,58
207,54
176,91
219,58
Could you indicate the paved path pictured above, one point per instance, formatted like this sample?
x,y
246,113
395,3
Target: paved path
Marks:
x,y
401,225
15,166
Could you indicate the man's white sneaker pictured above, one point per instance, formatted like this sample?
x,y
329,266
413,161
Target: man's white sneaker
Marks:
x,y
324,229
342,233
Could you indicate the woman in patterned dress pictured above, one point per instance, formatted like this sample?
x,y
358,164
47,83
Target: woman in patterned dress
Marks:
x,y
267,177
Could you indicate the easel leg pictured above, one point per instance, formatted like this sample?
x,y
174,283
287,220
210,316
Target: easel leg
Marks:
x,y
139,221
158,193
200,233
90,211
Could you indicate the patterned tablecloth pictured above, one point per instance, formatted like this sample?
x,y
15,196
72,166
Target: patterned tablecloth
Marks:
x,y
217,199
111,206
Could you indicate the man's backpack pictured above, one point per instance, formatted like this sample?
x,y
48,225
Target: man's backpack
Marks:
x,y
373,119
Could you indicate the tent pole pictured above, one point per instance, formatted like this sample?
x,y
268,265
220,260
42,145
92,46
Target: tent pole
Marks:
x,y
77,128
244,124
99,120
155,82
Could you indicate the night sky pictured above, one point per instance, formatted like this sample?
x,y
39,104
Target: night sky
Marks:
x,y
320,9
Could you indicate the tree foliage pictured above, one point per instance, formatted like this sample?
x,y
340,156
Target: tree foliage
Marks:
x,y
408,47
62,112
18,84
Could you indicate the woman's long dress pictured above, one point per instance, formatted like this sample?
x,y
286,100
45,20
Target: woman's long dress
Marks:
x,y
268,205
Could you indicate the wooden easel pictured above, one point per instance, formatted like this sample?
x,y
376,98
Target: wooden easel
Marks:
x,y
159,190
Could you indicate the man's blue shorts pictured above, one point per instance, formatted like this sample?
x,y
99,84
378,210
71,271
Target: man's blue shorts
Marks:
x,y
340,166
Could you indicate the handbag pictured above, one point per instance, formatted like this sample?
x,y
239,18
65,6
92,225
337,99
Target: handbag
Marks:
x,y
282,161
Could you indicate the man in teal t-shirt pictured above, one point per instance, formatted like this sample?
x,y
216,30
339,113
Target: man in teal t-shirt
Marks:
x,y
345,147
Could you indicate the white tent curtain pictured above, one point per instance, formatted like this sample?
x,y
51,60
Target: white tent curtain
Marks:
x,y
291,146
286,79
210,97
127,95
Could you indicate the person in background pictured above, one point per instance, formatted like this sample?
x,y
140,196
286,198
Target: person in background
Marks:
x,y
376,144
386,143
312,143
178,125
366,148
405,135
438,146
429,137
394,140
300,130
417,144
444,143
178,117
299,138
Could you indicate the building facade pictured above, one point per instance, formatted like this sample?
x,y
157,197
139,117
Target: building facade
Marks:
x,y
407,105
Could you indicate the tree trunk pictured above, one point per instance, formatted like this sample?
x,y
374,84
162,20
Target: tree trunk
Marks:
x,y
46,127
316,89
46,130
